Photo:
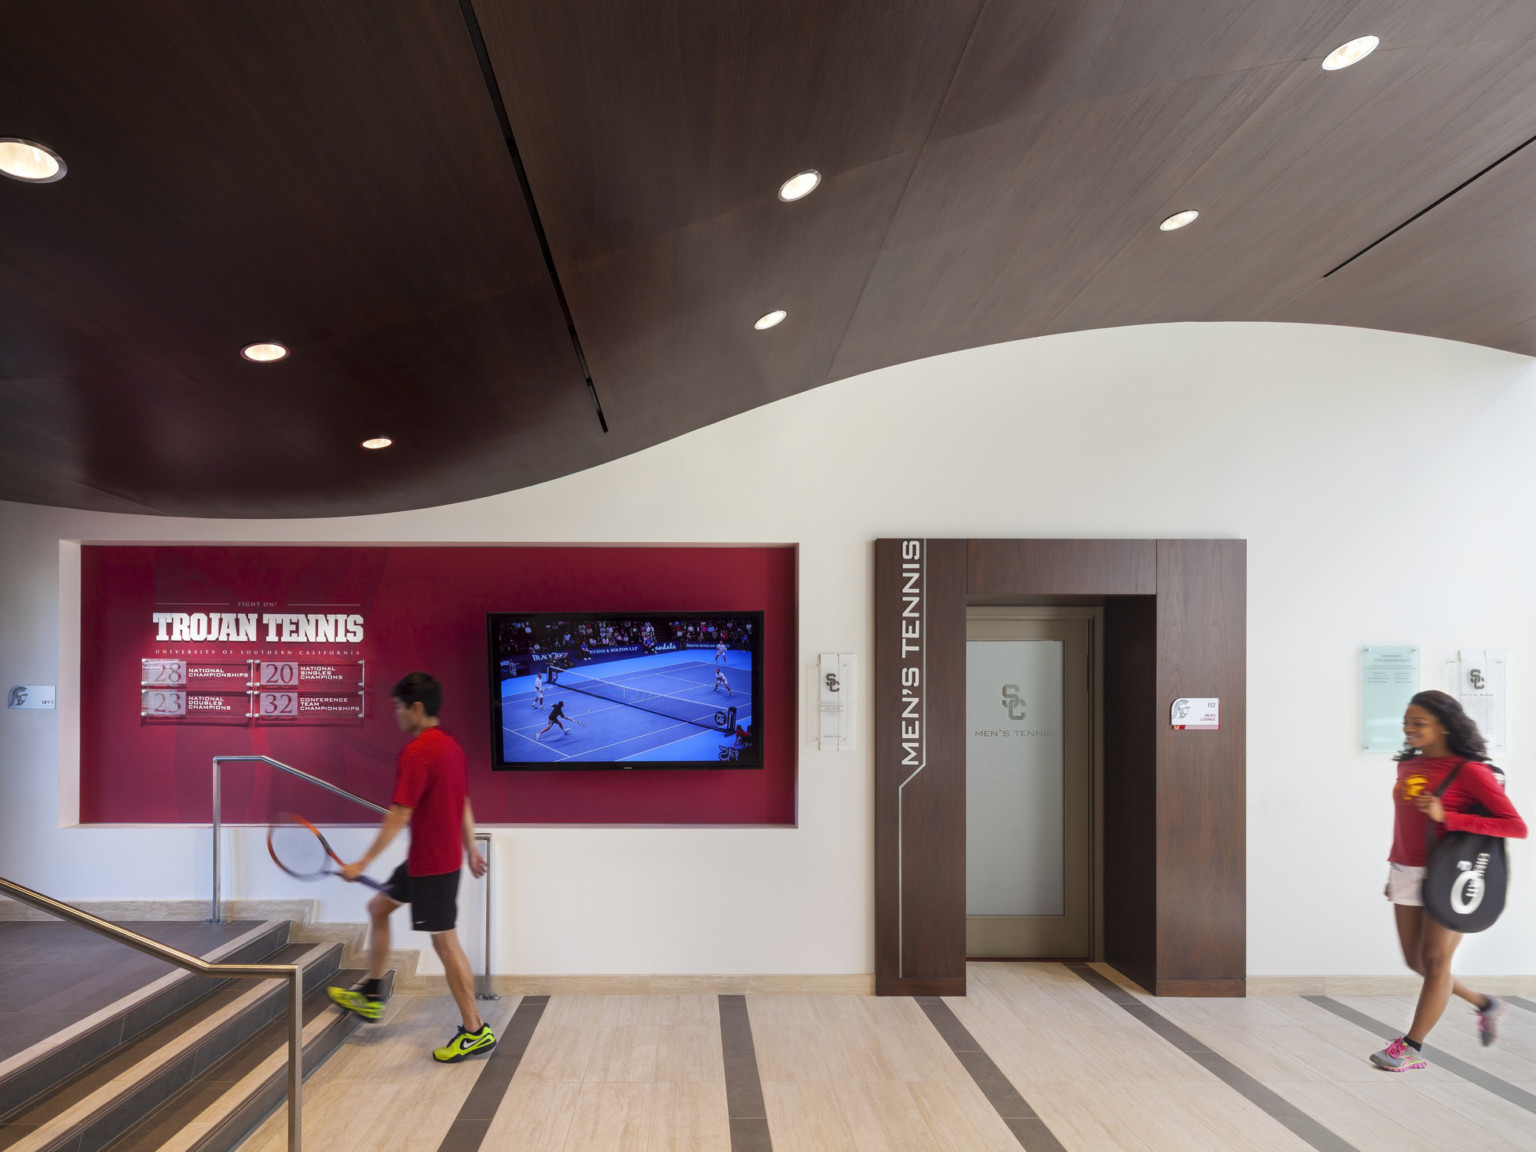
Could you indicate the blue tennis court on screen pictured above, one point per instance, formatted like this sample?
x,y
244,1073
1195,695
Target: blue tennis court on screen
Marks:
x,y
688,707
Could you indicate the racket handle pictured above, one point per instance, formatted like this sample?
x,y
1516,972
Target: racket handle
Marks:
x,y
376,885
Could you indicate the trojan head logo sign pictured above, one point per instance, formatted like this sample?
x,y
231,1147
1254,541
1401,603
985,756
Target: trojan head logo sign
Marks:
x,y
1013,702
1411,786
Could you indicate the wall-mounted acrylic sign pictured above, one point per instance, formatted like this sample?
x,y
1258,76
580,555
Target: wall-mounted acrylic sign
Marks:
x,y
1389,677
1196,713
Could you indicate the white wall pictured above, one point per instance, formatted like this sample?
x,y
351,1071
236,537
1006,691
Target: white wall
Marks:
x,y
1384,483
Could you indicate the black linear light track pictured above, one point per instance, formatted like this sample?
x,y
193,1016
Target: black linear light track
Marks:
x,y
472,24
1436,204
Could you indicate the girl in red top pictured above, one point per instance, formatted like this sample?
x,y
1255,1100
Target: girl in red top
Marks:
x,y
1438,737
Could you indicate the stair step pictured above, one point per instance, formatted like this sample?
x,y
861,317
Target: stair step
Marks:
x,y
228,1101
28,1075
103,1102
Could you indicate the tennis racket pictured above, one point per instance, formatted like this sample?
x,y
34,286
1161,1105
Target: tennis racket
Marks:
x,y
297,847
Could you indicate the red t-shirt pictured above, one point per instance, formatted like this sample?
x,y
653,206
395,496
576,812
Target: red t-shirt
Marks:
x,y
431,780
1475,786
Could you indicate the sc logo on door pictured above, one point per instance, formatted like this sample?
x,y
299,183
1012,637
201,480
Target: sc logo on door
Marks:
x,y
1013,702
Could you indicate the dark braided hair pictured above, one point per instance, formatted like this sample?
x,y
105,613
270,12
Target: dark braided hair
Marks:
x,y
1462,736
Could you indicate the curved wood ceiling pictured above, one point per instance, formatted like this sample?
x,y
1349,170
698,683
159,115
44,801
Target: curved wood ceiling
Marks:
x,y
335,174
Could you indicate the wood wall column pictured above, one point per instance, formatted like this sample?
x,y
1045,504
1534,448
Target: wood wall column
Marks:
x,y
920,767
1202,813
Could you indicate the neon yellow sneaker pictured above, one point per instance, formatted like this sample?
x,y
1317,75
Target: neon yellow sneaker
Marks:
x,y
465,1044
352,1000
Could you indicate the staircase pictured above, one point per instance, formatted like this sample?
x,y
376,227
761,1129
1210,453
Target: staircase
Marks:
x,y
183,1063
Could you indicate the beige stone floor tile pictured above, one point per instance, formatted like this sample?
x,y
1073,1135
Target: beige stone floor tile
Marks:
x,y
1235,1121
623,1053
688,1053
959,1117
1129,1052
611,1118
558,1053
920,1054
1075,1117
1362,1115
1480,1109
635,1010
789,1052
689,1117
782,1009
533,1116
854,1053
573,1010
884,1117
690,1011
805,1117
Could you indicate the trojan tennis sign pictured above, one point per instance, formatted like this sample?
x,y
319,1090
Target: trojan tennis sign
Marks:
x,y
281,627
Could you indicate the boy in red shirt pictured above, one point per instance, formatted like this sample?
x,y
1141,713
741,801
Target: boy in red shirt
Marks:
x,y
432,796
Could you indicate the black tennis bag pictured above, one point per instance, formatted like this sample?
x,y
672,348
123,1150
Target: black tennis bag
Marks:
x,y
1467,879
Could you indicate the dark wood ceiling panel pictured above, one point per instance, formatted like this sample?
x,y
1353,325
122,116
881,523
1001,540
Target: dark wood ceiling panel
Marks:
x,y
973,262
1029,58
668,323
1465,270
327,173
637,117
1329,164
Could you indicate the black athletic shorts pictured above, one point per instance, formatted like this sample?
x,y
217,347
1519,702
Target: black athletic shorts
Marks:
x,y
434,900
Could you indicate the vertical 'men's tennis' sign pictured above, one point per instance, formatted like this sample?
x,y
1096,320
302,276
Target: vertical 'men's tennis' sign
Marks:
x,y
911,622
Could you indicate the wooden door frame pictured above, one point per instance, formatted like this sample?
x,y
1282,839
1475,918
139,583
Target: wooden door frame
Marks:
x,y
1174,803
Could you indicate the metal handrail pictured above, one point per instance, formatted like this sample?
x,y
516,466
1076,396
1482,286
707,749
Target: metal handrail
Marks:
x,y
218,763
290,972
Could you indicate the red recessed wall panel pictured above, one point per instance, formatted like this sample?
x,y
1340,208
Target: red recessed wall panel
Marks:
x,y
420,608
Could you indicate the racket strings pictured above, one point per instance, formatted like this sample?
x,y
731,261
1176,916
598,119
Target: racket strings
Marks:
x,y
298,849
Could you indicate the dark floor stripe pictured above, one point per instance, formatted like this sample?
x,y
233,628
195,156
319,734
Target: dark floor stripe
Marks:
x,y
479,1108
1485,1080
1522,1002
1277,1106
1022,1120
743,1088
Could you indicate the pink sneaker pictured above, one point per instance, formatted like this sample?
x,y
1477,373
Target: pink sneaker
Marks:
x,y
1399,1057
1488,1020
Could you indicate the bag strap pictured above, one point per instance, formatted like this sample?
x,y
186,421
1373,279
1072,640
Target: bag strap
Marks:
x,y
1430,838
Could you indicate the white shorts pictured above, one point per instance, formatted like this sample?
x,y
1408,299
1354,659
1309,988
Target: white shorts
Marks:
x,y
1405,884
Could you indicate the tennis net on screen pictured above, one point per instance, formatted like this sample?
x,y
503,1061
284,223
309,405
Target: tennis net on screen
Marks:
x,y
705,715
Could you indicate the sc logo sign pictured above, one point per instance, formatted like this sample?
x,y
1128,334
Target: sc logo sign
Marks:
x,y
1012,700
832,684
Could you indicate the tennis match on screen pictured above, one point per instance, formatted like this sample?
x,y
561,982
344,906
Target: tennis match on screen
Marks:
x,y
657,690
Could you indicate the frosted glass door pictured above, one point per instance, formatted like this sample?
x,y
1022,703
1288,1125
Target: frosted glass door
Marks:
x,y
1014,772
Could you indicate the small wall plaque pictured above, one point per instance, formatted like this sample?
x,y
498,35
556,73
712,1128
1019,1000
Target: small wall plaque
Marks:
x,y
30,696
1194,713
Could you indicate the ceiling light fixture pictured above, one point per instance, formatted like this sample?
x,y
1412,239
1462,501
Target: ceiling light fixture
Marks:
x,y
378,442
1179,220
29,161
265,352
1352,53
770,320
800,185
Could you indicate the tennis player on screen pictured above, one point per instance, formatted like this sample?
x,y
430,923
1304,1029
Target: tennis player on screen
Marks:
x,y
720,651
722,682
432,796
538,690
557,718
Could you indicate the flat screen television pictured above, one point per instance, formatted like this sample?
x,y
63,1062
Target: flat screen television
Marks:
x,y
574,690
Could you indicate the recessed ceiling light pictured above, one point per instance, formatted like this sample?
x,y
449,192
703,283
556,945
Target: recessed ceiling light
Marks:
x,y
1179,220
772,318
1352,53
265,352
30,161
378,442
800,185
